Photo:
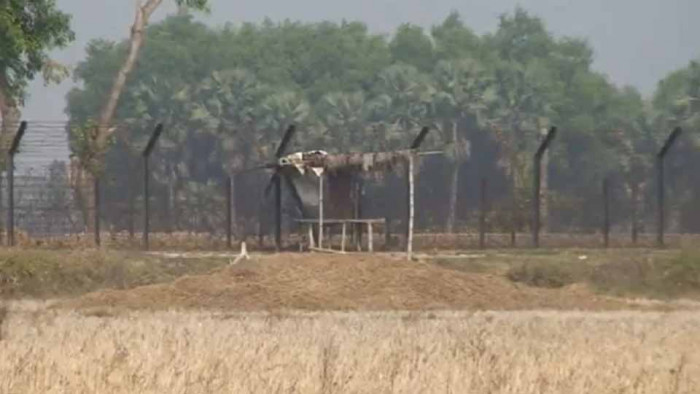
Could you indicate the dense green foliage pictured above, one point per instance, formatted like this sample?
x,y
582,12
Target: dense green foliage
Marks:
x,y
29,29
226,94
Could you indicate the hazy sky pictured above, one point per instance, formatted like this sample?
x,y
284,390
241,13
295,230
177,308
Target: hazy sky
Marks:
x,y
636,42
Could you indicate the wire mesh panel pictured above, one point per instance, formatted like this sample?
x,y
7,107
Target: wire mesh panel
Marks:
x,y
476,200
186,189
45,206
678,201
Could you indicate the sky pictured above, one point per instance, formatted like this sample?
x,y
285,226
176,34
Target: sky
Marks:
x,y
636,42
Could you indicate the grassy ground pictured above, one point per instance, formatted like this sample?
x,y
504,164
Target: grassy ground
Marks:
x,y
60,273
46,351
662,274
621,272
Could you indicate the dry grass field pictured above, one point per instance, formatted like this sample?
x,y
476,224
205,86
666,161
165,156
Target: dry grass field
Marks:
x,y
567,321
52,351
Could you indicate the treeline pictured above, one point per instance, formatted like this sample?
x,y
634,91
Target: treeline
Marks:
x,y
227,93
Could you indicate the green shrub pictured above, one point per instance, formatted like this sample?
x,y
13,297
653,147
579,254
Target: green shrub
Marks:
x,y
547,274
44,274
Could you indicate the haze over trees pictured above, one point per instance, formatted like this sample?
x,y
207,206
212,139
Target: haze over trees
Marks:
x,y
227,93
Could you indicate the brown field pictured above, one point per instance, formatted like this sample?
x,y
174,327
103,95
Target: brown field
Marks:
x,y
386,352
569,321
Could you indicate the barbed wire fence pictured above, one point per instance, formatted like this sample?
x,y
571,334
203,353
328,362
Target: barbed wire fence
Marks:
x,y
194,204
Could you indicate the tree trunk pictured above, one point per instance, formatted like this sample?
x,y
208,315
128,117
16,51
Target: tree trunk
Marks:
x,y
9,120
454,186
80,182
635,212
143,13
9,123
84,186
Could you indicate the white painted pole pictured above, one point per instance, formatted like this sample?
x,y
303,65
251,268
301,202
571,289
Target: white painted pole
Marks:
x,y
320,211
370,237
312,245
342,242
411,188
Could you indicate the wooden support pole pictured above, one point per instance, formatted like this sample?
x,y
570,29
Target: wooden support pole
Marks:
x,y
660,189
538,183
342,241
312,245
482,215
132,204
370,237
146,176
387,234
146,198
635,219
411,191
660,183
320,211
606,212
11,200
536,204
14,148
278,211
513,215
96,190
229,211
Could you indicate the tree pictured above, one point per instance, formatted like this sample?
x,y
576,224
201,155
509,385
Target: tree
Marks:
x,y
136,39
521,38
97,143
517,116
453,40
228,93
412,46
463,94
401,104
343,118
28,31
677,103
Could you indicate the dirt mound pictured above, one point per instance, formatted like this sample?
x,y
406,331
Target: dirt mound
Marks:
x,y
335,282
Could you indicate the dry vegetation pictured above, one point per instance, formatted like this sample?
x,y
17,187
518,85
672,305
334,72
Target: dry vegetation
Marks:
x,y
350,324
441,352
59,273
353,282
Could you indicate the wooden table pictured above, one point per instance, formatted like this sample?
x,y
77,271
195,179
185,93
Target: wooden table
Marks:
x,y
344,224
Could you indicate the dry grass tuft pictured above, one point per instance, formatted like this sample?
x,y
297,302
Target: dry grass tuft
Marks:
x,y
398,352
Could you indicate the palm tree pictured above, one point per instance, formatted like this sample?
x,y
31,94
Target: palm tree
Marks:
x,y
401,105
517,115
342,121
463,93
223,108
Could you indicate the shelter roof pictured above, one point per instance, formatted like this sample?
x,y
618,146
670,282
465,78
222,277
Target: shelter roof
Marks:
x,y
320,161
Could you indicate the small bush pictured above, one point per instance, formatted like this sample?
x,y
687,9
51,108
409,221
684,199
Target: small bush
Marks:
x,y
547,274
669,277
660,276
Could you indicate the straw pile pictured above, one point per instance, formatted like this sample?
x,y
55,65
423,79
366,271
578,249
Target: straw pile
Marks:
x,y
322,282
